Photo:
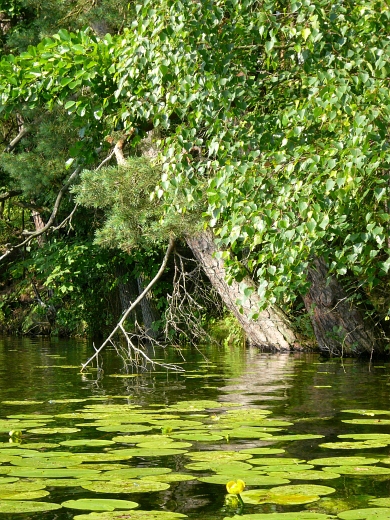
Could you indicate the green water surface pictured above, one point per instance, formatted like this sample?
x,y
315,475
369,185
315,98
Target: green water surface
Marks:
x,y
309,437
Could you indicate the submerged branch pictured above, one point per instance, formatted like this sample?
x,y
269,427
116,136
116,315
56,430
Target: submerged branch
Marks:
x,y
120,327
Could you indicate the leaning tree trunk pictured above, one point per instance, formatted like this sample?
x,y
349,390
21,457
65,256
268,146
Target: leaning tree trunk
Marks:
x,y
271,329
338,325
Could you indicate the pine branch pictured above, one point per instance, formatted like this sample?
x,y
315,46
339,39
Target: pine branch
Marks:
x,y
34,234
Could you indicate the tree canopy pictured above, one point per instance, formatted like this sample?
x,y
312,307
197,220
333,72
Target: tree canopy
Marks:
x,y
271,117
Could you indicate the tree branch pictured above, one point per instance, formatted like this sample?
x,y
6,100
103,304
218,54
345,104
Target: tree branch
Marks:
x,y
68,218
56,205
10,194
33,234
23,131
119,325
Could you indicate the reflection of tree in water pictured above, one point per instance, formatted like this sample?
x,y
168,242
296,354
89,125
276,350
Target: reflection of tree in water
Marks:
x,y
29,367
265,377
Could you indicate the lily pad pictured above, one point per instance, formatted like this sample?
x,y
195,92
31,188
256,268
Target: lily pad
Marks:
x,y
22,490
250,478
252,414
250,433
35,445
287,495
280,516
59,366
123,474
358,470
381,502
87,442
374,513
176,423
304,475
368,412
28,416
343,461
126,486
16,451
295,437
131,515
153,452
197,436
176,445
267,423
22,403
63,482
99,504
219,466
8,458
124,376
51,431
102,466
162,440
214,455
126,428
366,436
114,455
54,473
22,486
192,406
353,445
64,401
277,461
263,451
8,480
285,467
23,495
25,506
46,463
171,477
383,422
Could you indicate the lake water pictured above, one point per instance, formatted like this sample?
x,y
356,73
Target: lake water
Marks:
x,y
309,437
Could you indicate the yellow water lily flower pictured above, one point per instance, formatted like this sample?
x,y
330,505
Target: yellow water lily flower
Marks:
x,y
235,487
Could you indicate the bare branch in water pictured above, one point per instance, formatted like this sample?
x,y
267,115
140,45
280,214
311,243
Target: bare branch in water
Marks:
x,y
139,352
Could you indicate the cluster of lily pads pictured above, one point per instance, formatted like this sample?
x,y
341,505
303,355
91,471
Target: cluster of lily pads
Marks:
x,y
130,450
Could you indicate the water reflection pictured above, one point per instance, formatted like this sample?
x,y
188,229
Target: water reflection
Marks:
x,y
301,388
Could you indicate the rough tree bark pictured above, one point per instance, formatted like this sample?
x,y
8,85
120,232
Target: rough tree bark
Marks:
x,y
128,290
338,325
271,330
149,312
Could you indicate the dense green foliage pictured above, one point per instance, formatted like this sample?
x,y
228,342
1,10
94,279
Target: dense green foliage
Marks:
x,y
273,119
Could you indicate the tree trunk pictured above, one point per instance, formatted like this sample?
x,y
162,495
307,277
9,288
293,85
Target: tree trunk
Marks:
x,y
338,325
39,225
271,329
149,311
128,291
